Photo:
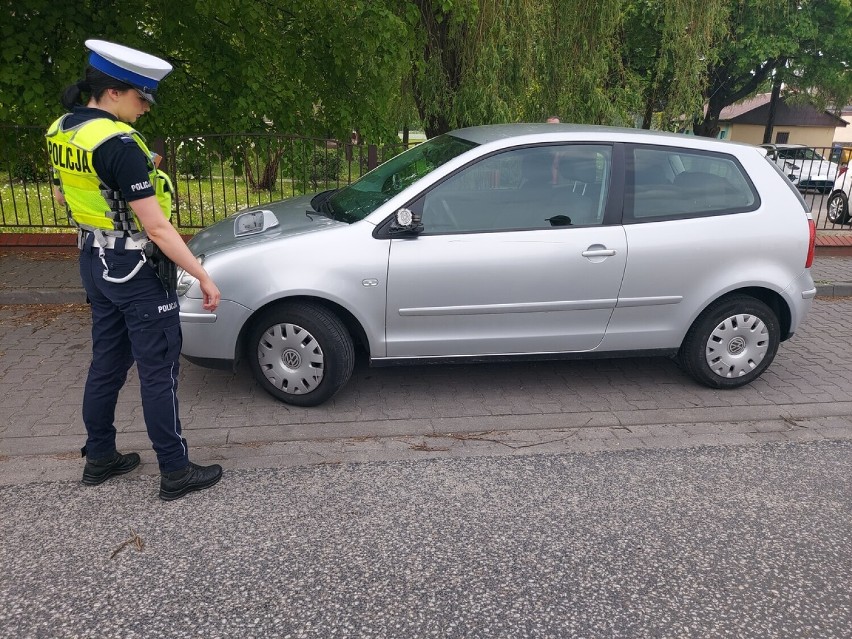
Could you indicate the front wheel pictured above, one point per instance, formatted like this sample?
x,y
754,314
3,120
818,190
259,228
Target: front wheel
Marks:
x,y
300,353
731,343
838,208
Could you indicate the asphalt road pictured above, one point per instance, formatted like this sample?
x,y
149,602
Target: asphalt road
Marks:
x,y
751,541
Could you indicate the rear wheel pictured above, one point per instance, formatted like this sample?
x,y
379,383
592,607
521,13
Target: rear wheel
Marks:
x,y
838,208
300,353
731,343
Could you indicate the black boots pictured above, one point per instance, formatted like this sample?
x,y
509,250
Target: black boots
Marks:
x,y
172,485
178,483
98,471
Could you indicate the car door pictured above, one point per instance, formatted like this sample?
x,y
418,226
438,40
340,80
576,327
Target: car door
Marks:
x,y
517,255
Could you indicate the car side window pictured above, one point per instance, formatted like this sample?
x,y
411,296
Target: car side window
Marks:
x,y
541,187
665,183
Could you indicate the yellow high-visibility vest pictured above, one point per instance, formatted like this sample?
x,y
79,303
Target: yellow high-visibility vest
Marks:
x,y
71,156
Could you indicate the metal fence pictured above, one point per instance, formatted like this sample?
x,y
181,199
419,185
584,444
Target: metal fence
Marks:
x,y
213,175
216,175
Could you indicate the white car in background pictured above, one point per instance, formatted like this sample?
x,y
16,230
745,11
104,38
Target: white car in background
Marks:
x,y
837,206
804,167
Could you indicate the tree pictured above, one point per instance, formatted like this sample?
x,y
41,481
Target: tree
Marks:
x,y
806,41
482,61
319,67
666,46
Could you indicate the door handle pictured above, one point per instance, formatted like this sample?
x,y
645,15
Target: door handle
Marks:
x,y
598,253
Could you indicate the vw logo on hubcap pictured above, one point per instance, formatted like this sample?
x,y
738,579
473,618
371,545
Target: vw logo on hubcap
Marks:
x,y
291,358
736,346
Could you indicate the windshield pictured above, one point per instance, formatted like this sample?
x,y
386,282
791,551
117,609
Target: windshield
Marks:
x,y
359,199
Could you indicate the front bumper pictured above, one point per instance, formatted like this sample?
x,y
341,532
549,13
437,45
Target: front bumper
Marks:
x,y
211,336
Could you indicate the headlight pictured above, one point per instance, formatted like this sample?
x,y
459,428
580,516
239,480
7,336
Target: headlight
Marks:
x,y
185,280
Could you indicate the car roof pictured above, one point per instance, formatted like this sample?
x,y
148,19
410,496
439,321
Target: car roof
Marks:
x,y
496,132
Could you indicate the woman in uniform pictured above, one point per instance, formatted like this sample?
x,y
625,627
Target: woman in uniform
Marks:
x,y
121,203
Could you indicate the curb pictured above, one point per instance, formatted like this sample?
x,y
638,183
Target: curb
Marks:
x,y
841,289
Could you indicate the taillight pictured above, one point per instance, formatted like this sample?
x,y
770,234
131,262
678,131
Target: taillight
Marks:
x,y
842,170
811,243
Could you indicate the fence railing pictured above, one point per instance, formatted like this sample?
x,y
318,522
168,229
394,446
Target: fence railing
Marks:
x,y
219,174
213,175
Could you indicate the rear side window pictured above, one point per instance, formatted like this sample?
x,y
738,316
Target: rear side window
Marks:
x,y
671,183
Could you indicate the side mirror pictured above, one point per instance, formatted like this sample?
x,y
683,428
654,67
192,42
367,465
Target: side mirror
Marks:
x,y
406,221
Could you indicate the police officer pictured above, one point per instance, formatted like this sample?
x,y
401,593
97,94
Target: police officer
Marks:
x,y
121,203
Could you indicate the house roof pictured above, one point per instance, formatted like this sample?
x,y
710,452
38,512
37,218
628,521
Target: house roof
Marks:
x,y
755,110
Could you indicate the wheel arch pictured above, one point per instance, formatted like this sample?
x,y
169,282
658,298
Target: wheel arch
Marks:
x,y
353,326
769,297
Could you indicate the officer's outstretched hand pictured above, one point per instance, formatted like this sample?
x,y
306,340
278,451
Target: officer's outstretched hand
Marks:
x,y
211,293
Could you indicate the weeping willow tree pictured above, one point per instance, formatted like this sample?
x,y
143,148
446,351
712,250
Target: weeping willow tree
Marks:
x,y
571,63
488,61
667,47
805,44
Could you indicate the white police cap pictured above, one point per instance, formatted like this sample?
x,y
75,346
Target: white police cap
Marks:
x,y
137,68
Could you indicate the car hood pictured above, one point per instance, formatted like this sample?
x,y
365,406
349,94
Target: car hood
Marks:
x,y
294,216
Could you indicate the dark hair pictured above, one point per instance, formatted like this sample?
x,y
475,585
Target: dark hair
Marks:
x,y
95,84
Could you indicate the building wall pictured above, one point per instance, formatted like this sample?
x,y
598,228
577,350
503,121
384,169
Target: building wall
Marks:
x,y
843,134
812,136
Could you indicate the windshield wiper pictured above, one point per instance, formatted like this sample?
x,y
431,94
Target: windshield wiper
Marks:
x,y
319,204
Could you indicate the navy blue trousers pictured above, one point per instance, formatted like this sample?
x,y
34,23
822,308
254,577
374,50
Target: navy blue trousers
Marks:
x,y
137,321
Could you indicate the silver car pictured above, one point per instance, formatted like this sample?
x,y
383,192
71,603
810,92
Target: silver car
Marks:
x,y
513,241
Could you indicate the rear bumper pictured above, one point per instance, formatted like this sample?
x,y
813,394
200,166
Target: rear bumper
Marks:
x,y
799,296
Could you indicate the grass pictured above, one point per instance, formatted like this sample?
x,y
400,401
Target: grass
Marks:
x,y
30,207
217,188
210,183
27,206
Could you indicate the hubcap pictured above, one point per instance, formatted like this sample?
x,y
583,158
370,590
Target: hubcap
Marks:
x,y
291,358
835,209
737,345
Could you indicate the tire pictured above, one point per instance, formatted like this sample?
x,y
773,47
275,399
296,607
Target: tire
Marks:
x,y
731,343
300,353
837,208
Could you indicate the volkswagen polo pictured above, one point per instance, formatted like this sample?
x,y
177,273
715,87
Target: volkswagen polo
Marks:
x,y
513,241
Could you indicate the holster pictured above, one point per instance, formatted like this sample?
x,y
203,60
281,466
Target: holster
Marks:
x,y
165,268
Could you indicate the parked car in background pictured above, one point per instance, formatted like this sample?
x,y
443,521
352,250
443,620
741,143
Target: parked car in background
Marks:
x,y
513,241
837,206
805,168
